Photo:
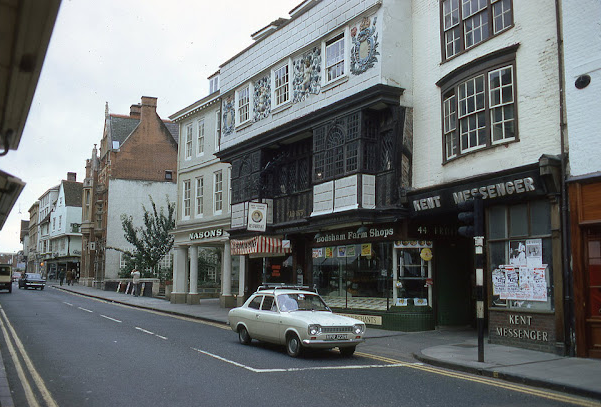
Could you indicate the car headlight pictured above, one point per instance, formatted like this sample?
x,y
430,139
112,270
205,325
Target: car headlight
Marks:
x,y
358,329
314,329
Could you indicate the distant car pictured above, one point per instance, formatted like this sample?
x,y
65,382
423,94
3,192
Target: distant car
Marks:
x,y
297,318
16,276
34,280
6,281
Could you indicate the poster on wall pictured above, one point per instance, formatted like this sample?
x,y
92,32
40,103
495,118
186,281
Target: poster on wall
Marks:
x,y
341,251
318,253
534,252
366,249
329,252
517,253
520,283
350,251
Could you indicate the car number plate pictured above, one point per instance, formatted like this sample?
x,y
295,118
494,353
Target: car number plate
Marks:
x,y
336,337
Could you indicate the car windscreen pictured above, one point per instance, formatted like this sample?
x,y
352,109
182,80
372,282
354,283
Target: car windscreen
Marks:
x,y
4,270
301,302
33,276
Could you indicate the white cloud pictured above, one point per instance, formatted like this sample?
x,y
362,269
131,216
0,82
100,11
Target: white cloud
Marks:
x,y
117,51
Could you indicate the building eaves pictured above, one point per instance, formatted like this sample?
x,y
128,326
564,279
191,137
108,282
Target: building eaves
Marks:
x,y
195,107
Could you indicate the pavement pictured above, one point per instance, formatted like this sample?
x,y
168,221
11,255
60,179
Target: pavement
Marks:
x,y
580,376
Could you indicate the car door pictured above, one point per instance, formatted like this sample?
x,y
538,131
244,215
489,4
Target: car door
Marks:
x,y
251,317
268,320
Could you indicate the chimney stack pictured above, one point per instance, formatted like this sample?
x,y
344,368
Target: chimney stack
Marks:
x,y
149,107
134,110
71,176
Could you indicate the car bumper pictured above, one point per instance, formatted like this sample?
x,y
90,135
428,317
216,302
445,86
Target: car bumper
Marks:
x,y
35,285
320,343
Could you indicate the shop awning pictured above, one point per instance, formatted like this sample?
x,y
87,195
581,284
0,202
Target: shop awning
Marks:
x,y
260,245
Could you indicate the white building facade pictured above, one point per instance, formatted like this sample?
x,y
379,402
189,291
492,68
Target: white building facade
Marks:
x,y
487,104
203,263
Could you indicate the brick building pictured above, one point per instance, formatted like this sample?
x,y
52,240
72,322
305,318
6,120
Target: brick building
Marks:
x,y
137,160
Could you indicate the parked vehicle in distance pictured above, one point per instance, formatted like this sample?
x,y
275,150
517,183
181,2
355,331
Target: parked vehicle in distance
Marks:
x,y
34,280
6,280
297,318
16,276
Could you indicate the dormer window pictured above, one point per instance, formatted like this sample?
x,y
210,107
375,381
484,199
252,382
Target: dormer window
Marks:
x,y
214,84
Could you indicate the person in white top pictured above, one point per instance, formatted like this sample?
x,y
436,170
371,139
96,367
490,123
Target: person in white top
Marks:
x,y
135,275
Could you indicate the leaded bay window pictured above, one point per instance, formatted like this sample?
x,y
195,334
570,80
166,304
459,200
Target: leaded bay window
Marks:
x,y
479,112
466,23
335,58
281,85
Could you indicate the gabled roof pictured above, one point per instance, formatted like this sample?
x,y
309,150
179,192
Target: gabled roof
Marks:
x,y
122,126
73,191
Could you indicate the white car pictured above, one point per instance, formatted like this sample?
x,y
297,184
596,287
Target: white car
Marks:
x,y
295,317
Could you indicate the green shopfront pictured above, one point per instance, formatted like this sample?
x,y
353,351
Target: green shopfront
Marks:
x,y
374,274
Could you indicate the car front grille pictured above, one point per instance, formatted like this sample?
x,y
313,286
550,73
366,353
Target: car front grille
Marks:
x,y
336,329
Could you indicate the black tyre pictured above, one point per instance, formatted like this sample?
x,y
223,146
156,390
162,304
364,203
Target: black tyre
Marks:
x,y
244,336
347,351
10,288
294,347
41,288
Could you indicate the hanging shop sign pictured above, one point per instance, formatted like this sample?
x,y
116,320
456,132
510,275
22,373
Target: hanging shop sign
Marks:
x,y
257,217
206,234
515,185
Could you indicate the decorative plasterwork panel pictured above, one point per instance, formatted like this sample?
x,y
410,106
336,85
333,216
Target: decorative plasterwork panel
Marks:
x,y
262,98
307,75
229,115
365,46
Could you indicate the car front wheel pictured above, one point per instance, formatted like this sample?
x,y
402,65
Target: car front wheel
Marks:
x,y
293,345
347,351
244,336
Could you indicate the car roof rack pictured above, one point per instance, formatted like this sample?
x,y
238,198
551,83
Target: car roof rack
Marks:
x,y
283,286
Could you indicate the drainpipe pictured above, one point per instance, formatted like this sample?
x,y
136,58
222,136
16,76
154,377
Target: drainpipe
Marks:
x,y
568,308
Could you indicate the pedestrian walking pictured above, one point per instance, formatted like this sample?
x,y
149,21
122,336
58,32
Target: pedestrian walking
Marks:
x,y
61,276
69,277
135,276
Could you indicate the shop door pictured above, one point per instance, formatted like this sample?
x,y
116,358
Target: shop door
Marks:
x,y
593,306
453,285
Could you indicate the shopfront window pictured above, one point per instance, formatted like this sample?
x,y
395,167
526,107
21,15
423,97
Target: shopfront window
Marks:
x,y
355,275
520,256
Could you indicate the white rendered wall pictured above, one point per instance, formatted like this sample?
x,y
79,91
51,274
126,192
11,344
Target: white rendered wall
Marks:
x,y
128,196
537,93
582,53
393,29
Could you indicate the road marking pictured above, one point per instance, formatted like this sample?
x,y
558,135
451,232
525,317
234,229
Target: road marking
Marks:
x,y
85,309
144,330
68,303
112,319
297,369
542,393
38,381
160,336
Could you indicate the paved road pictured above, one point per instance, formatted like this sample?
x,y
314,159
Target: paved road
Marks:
x,y
66,350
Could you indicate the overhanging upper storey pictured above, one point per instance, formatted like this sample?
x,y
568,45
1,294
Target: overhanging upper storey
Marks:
x,y
324,54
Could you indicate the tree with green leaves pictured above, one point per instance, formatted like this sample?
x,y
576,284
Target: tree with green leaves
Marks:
x,y
151,242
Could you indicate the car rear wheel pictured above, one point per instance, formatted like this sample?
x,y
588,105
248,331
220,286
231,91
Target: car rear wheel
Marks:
x,y
244,336
293,345
347,351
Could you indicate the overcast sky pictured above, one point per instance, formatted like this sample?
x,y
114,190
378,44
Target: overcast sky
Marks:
x,y
117,51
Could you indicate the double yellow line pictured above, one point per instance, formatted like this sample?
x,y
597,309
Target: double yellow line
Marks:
x,y
17,352
546,394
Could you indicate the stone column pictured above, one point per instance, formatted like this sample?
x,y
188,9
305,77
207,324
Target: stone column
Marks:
x,y
193,295
180,261
227,299
241,280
